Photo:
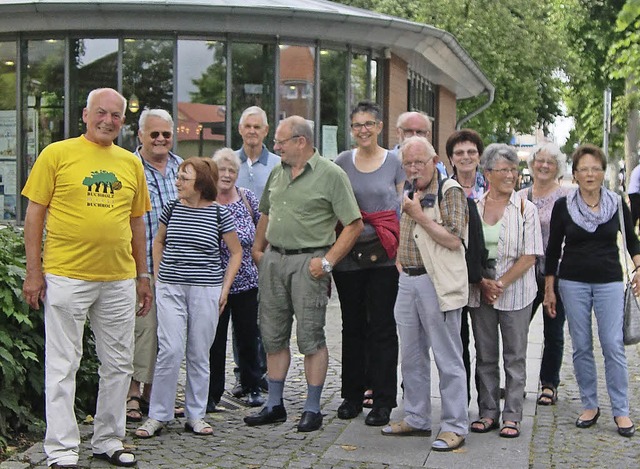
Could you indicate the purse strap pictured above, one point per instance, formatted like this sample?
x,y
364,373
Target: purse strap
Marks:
x,y
624,237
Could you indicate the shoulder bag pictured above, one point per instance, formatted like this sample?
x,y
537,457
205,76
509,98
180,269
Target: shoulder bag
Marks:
x,y
631,324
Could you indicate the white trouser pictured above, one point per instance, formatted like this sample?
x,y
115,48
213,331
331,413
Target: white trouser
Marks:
x,y
186,314
110,307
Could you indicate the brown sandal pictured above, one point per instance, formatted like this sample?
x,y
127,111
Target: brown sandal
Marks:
x,y
484,425
548,395
134,412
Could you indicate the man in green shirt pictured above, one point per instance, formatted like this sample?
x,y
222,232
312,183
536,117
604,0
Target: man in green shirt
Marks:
x,y
305,196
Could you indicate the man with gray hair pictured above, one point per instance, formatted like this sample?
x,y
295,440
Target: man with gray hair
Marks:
x,y
257,161
304,198
432,290
413,123
160,168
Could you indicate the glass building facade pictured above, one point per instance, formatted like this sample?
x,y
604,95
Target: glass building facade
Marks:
x,y
205,76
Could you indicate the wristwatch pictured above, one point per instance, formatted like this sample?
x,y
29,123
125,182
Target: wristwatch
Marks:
x,y
326,265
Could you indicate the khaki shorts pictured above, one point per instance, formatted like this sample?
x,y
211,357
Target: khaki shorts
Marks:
x,y
287,289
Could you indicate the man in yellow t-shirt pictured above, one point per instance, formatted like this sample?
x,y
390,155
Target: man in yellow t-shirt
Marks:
x,y
92,195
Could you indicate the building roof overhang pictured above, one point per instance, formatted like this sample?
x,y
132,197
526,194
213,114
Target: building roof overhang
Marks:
x,y
432,52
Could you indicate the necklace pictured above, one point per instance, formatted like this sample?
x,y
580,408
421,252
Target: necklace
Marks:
x,y
467,187
592,206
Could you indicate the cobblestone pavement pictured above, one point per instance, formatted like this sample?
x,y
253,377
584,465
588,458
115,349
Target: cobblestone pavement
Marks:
x,y
558,443
549,437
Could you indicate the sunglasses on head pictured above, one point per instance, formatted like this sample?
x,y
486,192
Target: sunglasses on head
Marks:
x,y
156,134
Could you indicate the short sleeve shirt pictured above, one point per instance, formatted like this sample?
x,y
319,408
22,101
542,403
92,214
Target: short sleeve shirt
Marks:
x,y
303,212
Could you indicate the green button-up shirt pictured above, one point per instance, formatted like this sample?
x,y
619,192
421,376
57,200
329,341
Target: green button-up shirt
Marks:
x,y
303,212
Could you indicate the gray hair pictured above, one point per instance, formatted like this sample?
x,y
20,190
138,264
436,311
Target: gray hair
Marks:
x,y
254,111
405,115
160,113
227,155
301,128
553,151
93,93
416,140
495,152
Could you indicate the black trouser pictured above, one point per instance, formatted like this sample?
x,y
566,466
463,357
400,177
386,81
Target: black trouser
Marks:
x,y
243,309
553,338
367,298
466,358
634,200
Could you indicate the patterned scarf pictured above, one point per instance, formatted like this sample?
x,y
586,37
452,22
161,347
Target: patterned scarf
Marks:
x,y
586,218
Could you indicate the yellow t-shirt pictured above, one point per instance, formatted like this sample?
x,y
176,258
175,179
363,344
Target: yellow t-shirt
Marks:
x,y
91,192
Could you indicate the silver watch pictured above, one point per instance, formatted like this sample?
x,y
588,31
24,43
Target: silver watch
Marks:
x,y
326,265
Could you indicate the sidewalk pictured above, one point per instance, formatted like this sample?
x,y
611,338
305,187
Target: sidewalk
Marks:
x,y
548,440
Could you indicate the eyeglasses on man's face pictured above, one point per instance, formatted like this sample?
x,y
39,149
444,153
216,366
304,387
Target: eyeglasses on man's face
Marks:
x,y
412,132
155,134
367,125
419,164
284,140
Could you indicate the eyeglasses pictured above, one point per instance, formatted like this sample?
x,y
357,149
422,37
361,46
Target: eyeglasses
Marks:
x,y
181,178
543,161
411,132
416,164
367,125
284,140
589,170
470,152
505,171
155,134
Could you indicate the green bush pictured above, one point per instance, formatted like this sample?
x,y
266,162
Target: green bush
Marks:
x,y
22,350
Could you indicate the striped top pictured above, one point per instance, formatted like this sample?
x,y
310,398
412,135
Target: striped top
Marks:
x,y
191,254
162,189
520,235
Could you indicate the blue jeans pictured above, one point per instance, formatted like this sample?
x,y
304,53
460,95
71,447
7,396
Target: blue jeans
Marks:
x,y
607,300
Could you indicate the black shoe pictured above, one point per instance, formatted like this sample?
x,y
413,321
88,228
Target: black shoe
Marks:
x,y
349,410
238,391
266,416
625,431
255,399
378,416
310,421
588,423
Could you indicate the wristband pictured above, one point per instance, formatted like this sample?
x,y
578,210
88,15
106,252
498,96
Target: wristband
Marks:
x,y
146,275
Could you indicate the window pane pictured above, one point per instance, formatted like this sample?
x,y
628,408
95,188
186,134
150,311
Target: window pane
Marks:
x,y
333,79
147,71
359,79
8,148
94,64
297,72
202,68
253,82
43,88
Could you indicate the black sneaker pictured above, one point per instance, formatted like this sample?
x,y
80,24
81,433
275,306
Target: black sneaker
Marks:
x,y
238,391
255,399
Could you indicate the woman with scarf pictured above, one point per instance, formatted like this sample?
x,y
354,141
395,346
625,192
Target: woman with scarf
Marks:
x,y
367,280
590,277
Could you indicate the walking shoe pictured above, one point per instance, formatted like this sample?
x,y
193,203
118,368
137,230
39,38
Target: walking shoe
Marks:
x,y
255,399
378,417
265,416
310,421
349,410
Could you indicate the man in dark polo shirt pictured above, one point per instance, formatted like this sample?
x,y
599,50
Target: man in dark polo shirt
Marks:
x,y
303,199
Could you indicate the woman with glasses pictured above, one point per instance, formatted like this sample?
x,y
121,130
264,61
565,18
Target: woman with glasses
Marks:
x,y
367,280
501,302
191,290
583,250
242,304
546,164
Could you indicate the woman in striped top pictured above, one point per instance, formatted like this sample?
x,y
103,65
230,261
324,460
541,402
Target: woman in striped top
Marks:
x,y
191,291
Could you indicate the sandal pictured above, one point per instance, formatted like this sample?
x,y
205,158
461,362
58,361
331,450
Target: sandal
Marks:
x,y
447,441
367,400
483,425
134,412
548,395
198,427
151,428
178,411
510,426
118,458
402,428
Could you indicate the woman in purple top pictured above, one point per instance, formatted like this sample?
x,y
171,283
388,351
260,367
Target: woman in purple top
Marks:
x,y
242,305
547,164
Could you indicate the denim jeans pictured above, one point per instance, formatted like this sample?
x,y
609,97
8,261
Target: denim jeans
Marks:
x,y
607,300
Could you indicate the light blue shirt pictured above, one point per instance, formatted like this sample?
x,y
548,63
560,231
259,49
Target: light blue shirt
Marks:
x,y
162,189
254,176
